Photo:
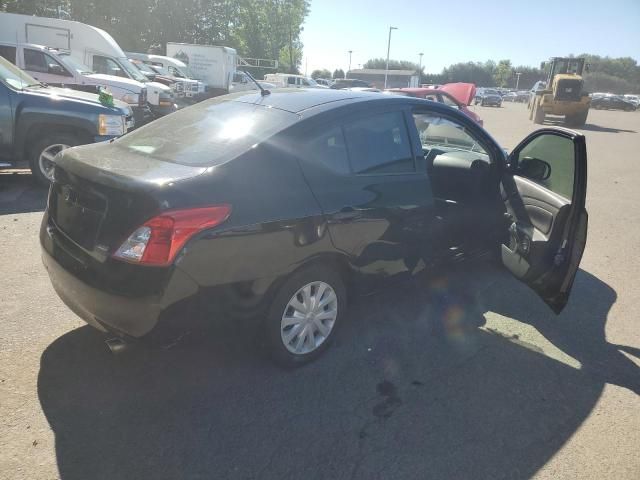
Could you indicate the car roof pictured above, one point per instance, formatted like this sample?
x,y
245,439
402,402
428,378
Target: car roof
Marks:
x,y
297,100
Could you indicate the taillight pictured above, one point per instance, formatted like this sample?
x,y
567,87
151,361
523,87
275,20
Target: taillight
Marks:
x,y
159,240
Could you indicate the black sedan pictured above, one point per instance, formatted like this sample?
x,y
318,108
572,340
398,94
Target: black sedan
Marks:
x,y
278,207
612,103
488,97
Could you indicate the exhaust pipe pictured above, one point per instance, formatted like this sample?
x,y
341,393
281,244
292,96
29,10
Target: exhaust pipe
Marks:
x,y
117,345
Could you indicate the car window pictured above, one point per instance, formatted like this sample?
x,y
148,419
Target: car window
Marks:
x,y
291,80
379,144
8,53
559,153
329,149
34,61
444,133
107,66
207,134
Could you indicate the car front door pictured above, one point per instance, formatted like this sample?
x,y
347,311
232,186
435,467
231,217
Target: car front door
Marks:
x,y
45,68
544,190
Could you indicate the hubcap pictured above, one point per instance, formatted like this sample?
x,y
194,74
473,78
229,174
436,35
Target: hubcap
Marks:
x,y
309,318
46,162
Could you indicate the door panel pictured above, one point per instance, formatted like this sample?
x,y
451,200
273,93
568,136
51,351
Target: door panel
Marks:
x,y
378,205
544,193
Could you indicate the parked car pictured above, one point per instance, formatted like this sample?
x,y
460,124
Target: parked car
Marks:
x,y
279,207
510,97
437,95
291,80
174,68
340,83
635,99
488,97
88,45
323,81
612,102
37,121
59,69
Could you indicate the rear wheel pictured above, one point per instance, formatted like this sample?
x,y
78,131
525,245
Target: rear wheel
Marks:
x,y
578,119
43,153
304,315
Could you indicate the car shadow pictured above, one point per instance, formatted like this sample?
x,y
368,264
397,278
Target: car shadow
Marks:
x,y
20,193
589,127
390,399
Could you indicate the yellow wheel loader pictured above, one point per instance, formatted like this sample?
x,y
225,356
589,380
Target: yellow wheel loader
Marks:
x,y
562,93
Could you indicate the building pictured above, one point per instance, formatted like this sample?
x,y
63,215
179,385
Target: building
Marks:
x,y
395,78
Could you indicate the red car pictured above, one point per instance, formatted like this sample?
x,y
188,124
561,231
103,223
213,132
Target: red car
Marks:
x,y
451,94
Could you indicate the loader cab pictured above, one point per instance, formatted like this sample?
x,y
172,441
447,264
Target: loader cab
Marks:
x,y
557,66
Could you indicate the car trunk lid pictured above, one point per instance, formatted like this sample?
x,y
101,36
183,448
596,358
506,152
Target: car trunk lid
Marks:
x,y
102,194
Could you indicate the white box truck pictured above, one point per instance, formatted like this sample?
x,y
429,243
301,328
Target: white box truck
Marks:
x,y
214,65
89,45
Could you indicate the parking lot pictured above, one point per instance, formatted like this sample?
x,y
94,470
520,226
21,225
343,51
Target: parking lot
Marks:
x,y
515,392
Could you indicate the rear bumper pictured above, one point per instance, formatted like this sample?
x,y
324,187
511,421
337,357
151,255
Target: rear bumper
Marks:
x,y
132,316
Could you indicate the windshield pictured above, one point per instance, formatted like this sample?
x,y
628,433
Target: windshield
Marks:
x,y
76,65
207,134
132,71
14,77
142,67
491,92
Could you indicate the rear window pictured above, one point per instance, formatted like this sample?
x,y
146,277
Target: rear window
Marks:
x,y
207,134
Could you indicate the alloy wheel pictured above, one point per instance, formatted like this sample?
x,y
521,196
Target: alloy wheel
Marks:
x,y
45,160
309,318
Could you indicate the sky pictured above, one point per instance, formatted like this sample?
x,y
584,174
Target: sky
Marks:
x,y
526,32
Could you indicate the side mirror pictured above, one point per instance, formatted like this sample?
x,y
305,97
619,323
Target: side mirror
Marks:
x,y
55,69
534,168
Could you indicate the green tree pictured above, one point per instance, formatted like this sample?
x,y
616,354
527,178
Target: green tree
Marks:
x,y
321,73
502,73
381,63
338,73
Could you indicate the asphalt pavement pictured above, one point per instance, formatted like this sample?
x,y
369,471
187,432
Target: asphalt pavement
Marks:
x,y
512,392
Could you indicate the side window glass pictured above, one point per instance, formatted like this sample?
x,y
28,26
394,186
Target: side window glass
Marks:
x,y
380,144
444,134
329,149
549,160
34,61
107,66
8,53
55,67
291,80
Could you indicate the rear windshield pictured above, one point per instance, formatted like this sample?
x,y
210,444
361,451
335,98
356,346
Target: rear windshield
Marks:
x,y
207,134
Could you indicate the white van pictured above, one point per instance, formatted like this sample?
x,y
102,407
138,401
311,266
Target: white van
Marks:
x,y
214,65
60,69
174,68
291,80
89,45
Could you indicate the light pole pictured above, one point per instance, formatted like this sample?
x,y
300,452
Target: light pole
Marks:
x,y
518,79
349,69
386,70
420,69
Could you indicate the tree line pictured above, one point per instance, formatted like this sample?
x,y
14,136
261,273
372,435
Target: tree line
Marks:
x,y
255,28
606,74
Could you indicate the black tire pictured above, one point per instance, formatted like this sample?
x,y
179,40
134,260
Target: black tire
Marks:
x,y
43,144
577,120
272,325
538,114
